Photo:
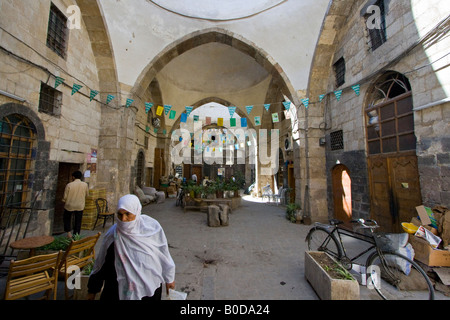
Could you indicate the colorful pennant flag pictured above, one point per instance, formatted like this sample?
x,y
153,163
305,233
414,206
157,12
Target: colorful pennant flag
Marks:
x,y
257,121
275,117
243,122
148,107
189,110
220,122
208,120
164,132
58,81
321,97
267,106
356,88
338,94
147,129
196,118
129,102
287,105
76,88
232,110
249,109
93,94
305,103
159,111
183,117
172,114
233,122
155,130
109,98
167,109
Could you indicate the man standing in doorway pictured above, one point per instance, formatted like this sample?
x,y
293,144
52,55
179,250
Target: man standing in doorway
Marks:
x,y
74,198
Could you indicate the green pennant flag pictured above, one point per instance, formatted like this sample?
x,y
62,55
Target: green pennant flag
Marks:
x,y
356,88
110,98
129,102
58,81
147,129
148,106
155,130
94,93
172,114
233,122
76,88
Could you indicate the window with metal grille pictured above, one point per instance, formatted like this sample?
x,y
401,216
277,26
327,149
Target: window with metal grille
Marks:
x,y
57,31
377,35
337,140
339,70
17,155
49,100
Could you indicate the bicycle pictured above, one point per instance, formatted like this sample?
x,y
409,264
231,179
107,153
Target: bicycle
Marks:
x,y
391,274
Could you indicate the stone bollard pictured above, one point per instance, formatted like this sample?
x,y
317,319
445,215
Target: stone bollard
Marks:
x,y
224,217
213,216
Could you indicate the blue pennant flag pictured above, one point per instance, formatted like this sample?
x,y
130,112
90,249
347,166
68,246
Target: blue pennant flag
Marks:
x,y
338,94
321,97
167,109
129,102
183,118
148,106
287,105
305,103
249,109
189,110
232,111
356,88
243,122
267,106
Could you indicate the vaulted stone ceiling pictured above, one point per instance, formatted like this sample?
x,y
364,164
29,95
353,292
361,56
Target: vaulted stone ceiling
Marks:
x,y
284,32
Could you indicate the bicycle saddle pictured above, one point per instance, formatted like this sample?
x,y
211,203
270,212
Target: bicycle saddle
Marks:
x,y
335,222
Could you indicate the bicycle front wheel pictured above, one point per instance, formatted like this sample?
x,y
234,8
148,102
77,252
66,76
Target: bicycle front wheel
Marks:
x,y
396,277
320,239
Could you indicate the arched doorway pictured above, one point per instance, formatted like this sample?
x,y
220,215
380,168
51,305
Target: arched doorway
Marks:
x,y
391,147
342,193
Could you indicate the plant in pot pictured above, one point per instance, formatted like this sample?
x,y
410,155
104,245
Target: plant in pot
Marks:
x,y
218,187
293,212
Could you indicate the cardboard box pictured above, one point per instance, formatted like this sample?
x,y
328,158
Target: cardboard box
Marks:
x,y
427,255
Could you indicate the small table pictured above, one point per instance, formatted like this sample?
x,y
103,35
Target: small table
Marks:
x,y
31,243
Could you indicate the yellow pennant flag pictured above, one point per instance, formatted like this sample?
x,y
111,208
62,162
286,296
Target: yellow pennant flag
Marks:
x,y
159,111
220,122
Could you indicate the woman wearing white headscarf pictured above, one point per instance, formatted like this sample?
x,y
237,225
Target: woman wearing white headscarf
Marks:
x,y
134,258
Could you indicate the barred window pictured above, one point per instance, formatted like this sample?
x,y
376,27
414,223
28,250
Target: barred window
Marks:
x,y
377,35
49,100
339,69
57,31
337,140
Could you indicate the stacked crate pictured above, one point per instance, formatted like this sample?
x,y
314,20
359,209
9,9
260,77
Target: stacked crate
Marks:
x,y
90,210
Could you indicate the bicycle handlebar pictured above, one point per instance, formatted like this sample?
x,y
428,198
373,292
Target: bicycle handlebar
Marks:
x,y
362,223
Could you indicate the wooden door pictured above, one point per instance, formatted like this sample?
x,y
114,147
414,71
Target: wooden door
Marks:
x,y
64,177
342,193
395,190
158,167
291,182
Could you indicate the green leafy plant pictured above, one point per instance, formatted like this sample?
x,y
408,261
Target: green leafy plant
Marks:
x,y
291,211
60,243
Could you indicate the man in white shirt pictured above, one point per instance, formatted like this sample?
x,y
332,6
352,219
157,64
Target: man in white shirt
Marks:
x,y
75,199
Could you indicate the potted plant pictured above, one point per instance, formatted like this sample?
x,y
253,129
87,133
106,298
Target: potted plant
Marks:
x,y
294,212
218,186
330,280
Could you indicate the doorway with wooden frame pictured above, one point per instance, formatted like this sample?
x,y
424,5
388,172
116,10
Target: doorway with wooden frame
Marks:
x,y
342,193
391,145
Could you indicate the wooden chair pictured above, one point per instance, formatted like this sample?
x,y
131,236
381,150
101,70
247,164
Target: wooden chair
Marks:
x,y
103,212
33,275
79,253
